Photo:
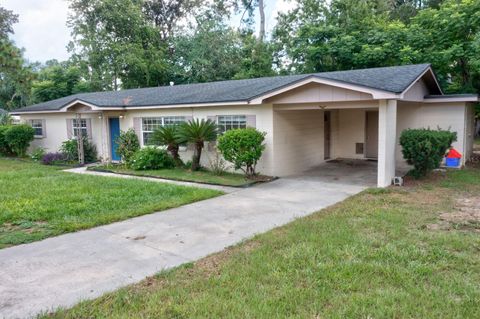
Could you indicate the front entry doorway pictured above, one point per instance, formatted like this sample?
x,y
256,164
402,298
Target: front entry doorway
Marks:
x,y
371,139
114,124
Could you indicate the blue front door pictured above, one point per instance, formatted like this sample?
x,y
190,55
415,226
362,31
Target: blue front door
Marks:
x,y
114,124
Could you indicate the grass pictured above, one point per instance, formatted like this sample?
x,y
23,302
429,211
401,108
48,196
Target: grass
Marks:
x,y
371,256
38,201
181,174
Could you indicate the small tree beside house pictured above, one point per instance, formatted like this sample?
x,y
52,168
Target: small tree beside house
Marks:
x,y
196,132
243,148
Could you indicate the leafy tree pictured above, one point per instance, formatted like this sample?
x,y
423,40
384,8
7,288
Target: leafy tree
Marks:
x,y
165,14
168,136
56,80
449,38
113,43
256,57
197,132
209,53
15,76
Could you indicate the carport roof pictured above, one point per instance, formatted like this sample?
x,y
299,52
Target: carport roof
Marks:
x,y
394,79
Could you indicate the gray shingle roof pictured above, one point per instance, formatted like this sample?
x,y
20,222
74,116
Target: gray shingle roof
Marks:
x,y
391,79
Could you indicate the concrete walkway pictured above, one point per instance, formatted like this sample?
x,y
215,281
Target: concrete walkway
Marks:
x,y
63,270
83,170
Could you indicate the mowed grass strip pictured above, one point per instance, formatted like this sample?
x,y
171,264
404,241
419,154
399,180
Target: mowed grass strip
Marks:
x,y
38,201
371,256
181,174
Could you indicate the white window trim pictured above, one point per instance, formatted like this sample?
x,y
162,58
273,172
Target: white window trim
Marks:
x,y
162,123
245,125
42,126
81,127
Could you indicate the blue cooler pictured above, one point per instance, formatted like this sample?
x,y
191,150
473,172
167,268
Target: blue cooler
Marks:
x,y
452,162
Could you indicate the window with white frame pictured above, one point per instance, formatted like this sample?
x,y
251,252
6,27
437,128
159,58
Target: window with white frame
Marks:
x,y
79,127
37,125
150,124
229,122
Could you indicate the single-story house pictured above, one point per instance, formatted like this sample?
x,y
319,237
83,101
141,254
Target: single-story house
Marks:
x,y
309,118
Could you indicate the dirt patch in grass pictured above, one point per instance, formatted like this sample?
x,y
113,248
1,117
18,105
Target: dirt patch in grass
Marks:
x,y
435,176
27,227
466,216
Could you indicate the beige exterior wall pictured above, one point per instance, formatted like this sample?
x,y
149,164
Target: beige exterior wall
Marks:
x,y
417,92
297,140
263,118
349,130
446,116
56,130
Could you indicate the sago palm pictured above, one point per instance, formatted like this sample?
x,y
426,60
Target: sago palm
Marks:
x,y
168,136
197,132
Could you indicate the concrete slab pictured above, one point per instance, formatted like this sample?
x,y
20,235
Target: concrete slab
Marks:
x,y
63,270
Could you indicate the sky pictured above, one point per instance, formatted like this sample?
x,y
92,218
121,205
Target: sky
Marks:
x,y
43,33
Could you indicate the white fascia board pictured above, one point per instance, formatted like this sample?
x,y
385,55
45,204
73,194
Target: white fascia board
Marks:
x,y
452,99
172,106
376,94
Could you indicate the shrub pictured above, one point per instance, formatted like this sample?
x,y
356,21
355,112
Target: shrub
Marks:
x,y
70,150
242,147
37,154
53,158
18,138
4,147
128,144
425,148
152,158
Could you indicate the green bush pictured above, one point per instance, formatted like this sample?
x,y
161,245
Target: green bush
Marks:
x,y
425,148
4,147
18,138
70,150
37,154
242,147
152,158
127,145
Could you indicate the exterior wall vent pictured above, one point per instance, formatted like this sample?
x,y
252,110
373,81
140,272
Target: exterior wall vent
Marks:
x,y
359,148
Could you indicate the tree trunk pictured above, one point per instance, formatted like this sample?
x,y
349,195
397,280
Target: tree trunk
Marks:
x,y
173,149
261,8
197,153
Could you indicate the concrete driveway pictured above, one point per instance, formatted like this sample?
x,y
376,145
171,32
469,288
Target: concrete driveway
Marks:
x,y
63,270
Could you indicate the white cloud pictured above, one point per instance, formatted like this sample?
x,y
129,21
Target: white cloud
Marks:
x,y
41,29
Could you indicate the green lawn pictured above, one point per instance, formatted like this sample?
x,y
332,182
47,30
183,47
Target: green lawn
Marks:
x,y
372,256
181,174
38,201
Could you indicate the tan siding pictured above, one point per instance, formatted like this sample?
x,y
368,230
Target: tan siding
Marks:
x,y
298,140
263,119
351,130
445,116
314,92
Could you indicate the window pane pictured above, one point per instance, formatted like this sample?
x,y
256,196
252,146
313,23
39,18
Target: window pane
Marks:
x,y
228,122
37,125
150,124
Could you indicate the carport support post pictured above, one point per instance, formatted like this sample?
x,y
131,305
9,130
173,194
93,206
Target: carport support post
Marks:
x,y
387,138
